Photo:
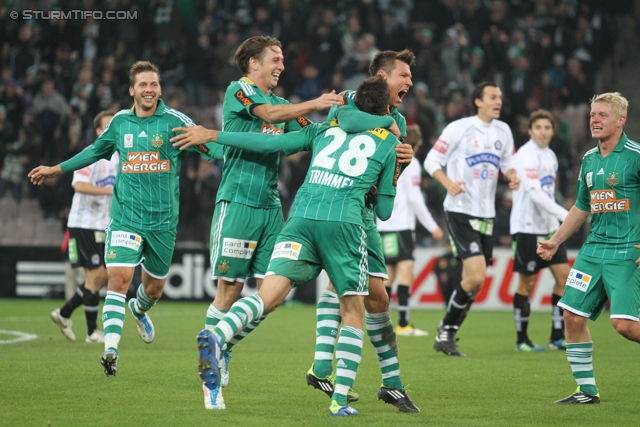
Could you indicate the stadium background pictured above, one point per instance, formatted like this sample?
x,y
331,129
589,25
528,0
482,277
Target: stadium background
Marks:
x,y
56,74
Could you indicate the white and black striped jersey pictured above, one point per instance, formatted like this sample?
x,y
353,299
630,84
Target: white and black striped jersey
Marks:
x,y
474,152
92,211
534,208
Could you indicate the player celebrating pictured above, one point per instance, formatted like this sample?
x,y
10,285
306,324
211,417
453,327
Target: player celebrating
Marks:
x,y
534,217
248,214
88,217
605,269
473,149
324,231
398,237
394,67
144,206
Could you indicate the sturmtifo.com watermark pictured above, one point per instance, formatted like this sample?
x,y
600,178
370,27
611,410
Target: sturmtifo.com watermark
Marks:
x,y
73,14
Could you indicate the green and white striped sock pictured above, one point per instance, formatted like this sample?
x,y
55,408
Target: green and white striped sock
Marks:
x,y
213,317
348,356
579,357
243,312
143,302
113,319
327,323
383,338
246,331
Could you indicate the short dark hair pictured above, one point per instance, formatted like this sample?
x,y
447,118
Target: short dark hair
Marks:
x,y
478,93
142,67
386,60
253,47
372,96
539,115
97,121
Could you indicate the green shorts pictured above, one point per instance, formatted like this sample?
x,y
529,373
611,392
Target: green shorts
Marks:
x,y
242,239
377,267
127,247
592,281
305,247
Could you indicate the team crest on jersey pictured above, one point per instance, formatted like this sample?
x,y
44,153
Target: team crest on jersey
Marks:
x,y
474,248
223,266
498,145
128,140
111,254
156,141
612,179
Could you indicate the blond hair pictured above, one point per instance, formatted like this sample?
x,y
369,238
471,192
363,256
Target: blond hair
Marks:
x,y
617,102
414,137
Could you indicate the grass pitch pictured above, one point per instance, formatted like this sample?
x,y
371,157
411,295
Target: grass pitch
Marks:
x,y
50,381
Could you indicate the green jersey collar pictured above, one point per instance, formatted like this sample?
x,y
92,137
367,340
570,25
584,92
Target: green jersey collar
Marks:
x,y
251,82
621,143
159,109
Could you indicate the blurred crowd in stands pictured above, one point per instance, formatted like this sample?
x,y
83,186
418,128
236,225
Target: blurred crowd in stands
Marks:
x,y
56,74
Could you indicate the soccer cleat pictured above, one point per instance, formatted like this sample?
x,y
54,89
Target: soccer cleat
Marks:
x,y
145,327
209,358
213,398
410,331
446,343
327,385
529,347
341,411
560,344
579,397
398,398
224,369
64,323
108,360
96,336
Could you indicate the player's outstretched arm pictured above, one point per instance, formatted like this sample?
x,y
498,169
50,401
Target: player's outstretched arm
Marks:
x,y
41,173
572,223
193,135
287,112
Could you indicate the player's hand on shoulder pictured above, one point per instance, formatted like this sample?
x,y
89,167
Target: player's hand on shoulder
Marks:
x,y
394,129
192,135
326,100
404,153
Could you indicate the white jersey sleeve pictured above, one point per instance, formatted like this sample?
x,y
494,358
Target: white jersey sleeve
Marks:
x,y
534,208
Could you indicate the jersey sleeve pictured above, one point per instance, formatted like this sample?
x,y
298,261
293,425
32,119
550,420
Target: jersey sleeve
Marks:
x,y
527,168
82,175
442,149
506,159
102,148
400,121
582,192
288,143
240,99
352,120
389,175
299,123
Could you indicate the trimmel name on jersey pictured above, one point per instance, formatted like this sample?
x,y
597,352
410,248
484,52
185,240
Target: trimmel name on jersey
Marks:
x,y
329,179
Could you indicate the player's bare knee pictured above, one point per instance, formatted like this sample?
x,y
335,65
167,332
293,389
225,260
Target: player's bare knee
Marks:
x,y
377,302
627,328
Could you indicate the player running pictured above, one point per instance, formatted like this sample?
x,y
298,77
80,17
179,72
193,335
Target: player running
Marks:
x,y
606,267
144,206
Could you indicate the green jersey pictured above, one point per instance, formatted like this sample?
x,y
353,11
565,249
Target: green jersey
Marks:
x,y
343,168
146,192
251,178
368,121
609,188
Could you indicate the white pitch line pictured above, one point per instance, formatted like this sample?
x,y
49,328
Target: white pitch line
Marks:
x,y
20,336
